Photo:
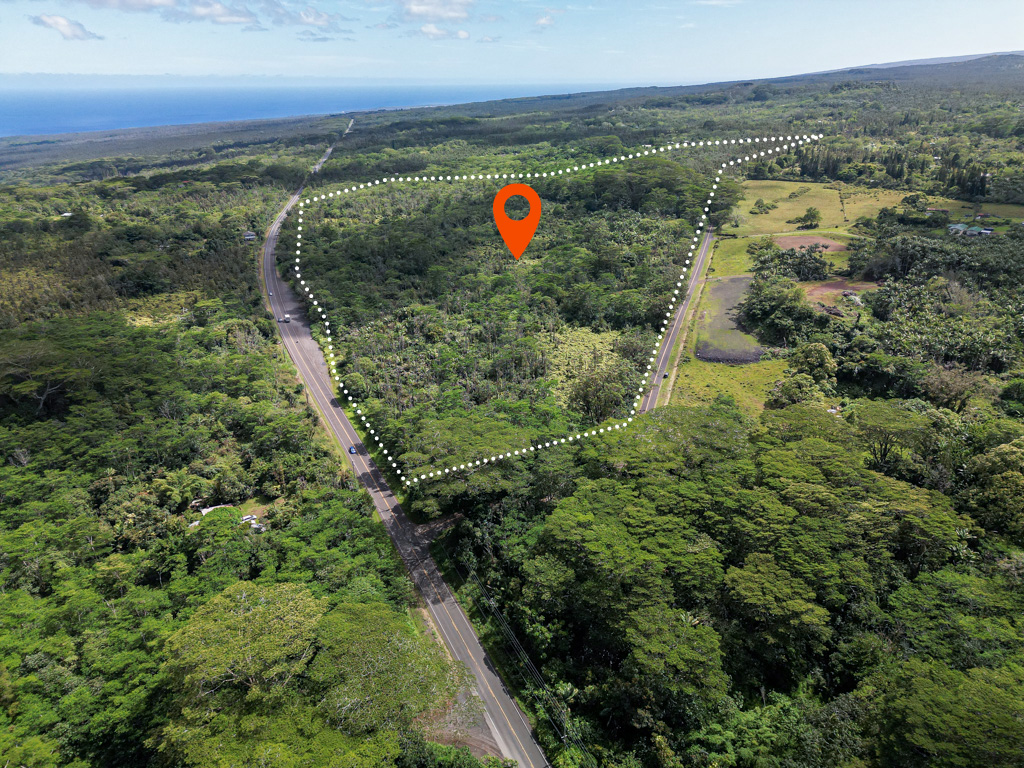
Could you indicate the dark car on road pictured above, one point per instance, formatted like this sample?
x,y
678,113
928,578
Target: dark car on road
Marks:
x,y
352,449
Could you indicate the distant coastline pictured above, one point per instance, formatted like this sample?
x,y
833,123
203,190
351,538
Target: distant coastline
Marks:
x,y
52,110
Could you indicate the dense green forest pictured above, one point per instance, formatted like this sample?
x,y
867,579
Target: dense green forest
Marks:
x,y
146,407
453,347
835,582
810,588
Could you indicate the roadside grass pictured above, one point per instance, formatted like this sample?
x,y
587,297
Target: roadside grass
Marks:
x,y
373,450
374,453
340,451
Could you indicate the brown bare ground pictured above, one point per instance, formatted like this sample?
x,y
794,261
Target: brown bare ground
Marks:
x,y
462,725
795,241
830,291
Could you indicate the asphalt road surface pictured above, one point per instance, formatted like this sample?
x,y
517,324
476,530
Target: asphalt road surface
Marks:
x,y
665,352
509,727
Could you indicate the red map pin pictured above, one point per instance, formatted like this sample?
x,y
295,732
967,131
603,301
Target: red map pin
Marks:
x,y
517,234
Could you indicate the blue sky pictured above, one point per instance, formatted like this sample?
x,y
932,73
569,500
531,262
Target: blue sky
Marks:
x,y
482,41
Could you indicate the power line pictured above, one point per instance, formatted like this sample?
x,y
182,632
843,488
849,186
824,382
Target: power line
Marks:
x,y
550,705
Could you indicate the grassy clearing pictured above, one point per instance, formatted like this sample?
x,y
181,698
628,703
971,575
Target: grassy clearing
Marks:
x,y
864,202
160,309
256,506
714,332
699,382
840,260
1006,210
830,292
730,257
840,205
960,211
791,199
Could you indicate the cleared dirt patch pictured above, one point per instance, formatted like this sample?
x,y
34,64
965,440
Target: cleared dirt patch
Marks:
x,y
797,241
829,292
719,338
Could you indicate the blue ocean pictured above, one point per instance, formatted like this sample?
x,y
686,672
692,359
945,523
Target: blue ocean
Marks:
x,y
53,110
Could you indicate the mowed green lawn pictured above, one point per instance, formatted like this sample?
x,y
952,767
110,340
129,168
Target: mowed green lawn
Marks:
x,y
730,257
787,208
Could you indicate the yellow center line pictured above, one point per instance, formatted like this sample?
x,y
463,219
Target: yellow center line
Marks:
x,y
482,677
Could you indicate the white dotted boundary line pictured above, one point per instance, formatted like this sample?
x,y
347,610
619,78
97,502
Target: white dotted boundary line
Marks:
x,y
791,143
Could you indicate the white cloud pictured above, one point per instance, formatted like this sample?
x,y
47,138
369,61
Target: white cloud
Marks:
x,y
215,12
462,34
488,39
277,12
134,5
545,21
69,30
309,36
433,31
438,10
281,14
313,18
184,10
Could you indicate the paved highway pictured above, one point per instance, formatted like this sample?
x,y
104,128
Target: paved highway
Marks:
x,y
665,352
509,727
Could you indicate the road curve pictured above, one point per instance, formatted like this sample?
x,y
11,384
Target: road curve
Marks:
x,y
665,351
510,729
